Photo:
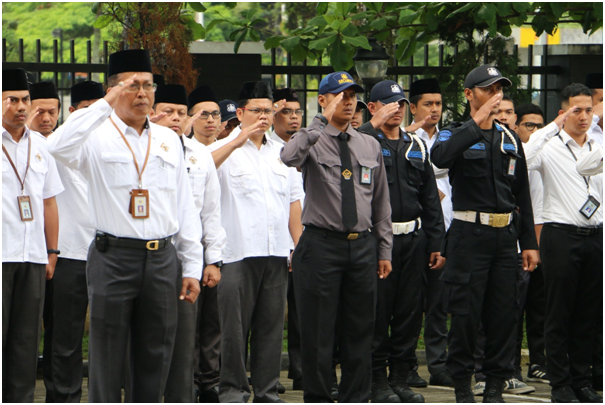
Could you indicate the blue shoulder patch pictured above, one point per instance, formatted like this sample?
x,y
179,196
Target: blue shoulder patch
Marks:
x,y
444,135
405,137
498,127
415,154
478,146
381,136
509,146
386,152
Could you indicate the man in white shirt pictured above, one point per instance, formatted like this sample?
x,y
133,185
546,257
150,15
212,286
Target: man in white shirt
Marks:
x,y
204,104
171,103
30,230
594,81
259,203
139,200
66,299
46,107
571,245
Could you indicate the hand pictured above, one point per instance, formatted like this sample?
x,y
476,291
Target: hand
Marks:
x,y
190,120
560,120
212,275
278,106
441,195
156,118
531,258
598,110
384,114
417,125
114,93
6,104
32,116
331,108
50,267
384,268
486,109
193,286
247,133
436,261
290,262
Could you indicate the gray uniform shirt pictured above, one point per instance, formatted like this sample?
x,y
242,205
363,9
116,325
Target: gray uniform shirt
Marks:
x,y
316,151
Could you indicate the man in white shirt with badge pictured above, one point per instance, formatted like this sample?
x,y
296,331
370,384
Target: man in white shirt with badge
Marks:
x,y
204,105
140,199
571,245
594,81
30,230
259,203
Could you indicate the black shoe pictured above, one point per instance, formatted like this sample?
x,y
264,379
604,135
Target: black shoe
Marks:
x,y
563,395
280,388
588,395
414,380
209,396
463,391
381,392
297,384
334,388
443,378
398,382
493,390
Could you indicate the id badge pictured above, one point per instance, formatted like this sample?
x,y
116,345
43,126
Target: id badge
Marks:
x,y
139,204
590,207
366,175
25,208
512,163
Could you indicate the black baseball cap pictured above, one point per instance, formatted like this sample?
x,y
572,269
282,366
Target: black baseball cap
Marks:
x,y
387,91
228,110
338,81
484,76
361,105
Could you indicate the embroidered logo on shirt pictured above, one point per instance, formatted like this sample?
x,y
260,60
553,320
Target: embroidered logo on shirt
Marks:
x,y
444,135
415,154
478,146
39,157
386,152
508,146
347,174
164,147
192,159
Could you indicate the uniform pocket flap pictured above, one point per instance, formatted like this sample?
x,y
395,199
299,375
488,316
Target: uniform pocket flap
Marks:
x,y
237,171
371,163
328,160
475,153
455,277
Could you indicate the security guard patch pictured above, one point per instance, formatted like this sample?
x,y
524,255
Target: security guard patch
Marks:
x,y
444,135
416,154
386,152
478,146
508,146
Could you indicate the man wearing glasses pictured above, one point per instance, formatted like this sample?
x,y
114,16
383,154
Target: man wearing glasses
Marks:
x,y
287,120
203,103
140,200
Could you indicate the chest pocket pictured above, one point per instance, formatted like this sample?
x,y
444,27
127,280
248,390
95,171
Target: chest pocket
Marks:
x,y
197,181
329,167
369,163
119,172
166,171
280,178
475,162
413,173
241,179
388,165
509,167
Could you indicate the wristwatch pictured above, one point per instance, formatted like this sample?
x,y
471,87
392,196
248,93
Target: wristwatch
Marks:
x,y
322,118
55,251
218,264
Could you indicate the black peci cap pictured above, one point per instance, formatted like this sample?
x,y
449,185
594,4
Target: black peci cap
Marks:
x,y
260,89
594,80
159,79
43,90
201,94
288,94
172,94
14,80
132,60
424,86
484,76
228,110
87,90
387,91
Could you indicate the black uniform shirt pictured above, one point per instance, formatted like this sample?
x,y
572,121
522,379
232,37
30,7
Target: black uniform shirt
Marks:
x,y
412,186
480,173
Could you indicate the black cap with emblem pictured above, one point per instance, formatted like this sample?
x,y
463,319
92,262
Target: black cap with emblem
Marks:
x,y
484,76
260,89
228,110
43,90
201,94
171,94
87,90
387,91
132,60
14,80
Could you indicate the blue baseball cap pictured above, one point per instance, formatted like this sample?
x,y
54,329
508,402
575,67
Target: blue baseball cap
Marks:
x,y
228,110
387,91
338,81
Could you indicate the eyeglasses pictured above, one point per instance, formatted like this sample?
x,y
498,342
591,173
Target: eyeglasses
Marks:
x,y
258,111
215,114
148,87
288,111
532,125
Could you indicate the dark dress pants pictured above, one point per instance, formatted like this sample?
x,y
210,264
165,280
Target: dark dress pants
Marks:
x,y
23,287
535,309
399,303
329,272
435,322
295,368
208,339
573,276
131,290
481,287
64,320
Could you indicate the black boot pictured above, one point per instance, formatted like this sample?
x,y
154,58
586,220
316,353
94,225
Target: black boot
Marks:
x,y
398,382
493,389
462,388
381,392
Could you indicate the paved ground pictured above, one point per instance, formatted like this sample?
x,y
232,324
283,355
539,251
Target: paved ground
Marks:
x,y
431,394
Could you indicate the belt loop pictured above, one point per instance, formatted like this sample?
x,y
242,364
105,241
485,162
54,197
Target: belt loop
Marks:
x,y
477,218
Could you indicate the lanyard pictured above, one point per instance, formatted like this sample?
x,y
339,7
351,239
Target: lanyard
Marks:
x,y
586,180
29,149
140,172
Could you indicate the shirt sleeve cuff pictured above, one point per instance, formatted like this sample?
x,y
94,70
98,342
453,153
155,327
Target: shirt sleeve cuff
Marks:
x,y
384,254
191,270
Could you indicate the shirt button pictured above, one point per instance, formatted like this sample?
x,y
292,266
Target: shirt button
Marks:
x,y
321,127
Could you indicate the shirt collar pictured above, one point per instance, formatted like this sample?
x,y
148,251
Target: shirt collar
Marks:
x,y
276,138
332,131
122,125
6,134
423,134
567,139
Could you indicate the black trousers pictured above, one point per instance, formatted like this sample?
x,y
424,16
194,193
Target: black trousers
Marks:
x,y
435,322
295,368
208,339
328,272
573,276
481,287
131,290
399,303
535,311
65,307
22,300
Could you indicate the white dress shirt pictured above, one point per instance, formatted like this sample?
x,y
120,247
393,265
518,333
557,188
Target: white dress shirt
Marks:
x,y
90,143
564,188
207,197
25,241
591,163
256,192
222,142
595,130
442,180
536,191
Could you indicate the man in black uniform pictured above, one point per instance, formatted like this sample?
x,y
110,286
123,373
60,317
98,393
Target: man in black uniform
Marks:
x,y
492,210
417,235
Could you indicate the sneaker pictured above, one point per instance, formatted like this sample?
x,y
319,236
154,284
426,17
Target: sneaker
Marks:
x,y
479,388
414,380
514,386
517,373
537,373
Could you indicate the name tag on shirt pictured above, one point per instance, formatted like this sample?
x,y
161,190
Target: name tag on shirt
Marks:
x,y
25,208
139,204
512,163
590,207
366,175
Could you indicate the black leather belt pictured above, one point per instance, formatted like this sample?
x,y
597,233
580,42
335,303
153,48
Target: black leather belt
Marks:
x,y
336,235
592,230
131,243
